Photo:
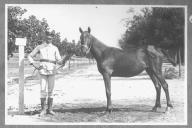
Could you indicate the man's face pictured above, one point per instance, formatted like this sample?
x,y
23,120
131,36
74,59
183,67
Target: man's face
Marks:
x,y
49,40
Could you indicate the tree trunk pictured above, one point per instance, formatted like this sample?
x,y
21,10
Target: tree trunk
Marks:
x,y
69,63
176,60
179,62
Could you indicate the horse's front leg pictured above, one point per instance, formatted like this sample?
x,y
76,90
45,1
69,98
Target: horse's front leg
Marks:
x,y
107,80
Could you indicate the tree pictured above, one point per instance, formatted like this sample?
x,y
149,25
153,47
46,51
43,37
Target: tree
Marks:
x,y
14,23
78,51
162,27
31,28
35,31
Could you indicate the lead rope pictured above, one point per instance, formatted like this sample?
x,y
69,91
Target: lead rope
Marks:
x,y
64,61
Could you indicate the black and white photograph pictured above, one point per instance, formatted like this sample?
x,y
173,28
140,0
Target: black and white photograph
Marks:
x,y
95,64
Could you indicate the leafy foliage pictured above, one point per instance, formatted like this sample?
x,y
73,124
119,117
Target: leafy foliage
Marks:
x,y
161,27
35,31
14,23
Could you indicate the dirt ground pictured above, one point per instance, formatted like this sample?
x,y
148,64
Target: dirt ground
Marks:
x,y
79,97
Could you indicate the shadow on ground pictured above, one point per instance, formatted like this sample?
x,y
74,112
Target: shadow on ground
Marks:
x,y
97,113
88,110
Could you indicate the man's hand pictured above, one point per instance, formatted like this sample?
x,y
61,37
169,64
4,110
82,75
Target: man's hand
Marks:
x,y
36,67
60,62
64,61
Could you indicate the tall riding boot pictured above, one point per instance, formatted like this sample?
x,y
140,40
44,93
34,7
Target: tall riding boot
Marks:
x,y
43,108
50,103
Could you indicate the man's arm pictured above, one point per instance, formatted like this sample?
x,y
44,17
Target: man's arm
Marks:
x,y
32,54
58,57
64,59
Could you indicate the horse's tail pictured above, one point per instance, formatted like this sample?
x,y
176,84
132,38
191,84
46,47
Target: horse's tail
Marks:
x,y
166,54
152,51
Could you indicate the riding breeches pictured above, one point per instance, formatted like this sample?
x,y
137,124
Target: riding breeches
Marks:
x,y
47,85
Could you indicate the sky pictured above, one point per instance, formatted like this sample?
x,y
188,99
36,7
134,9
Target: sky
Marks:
x,y
106,21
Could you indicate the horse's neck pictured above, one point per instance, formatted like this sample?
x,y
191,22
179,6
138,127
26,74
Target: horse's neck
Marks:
x,y
97,48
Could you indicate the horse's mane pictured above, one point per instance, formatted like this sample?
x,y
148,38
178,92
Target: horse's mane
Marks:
x,y
101,44
131,46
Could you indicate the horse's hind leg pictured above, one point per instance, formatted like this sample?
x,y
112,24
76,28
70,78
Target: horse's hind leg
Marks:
x,y
107,80
165,88
158,89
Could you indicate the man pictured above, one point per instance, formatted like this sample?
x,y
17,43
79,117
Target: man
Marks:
x,y
49,56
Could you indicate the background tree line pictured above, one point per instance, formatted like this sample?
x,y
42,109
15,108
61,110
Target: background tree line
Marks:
x,y
35,31
161,27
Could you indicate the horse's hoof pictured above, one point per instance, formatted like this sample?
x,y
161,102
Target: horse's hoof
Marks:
x,y
168,109
155,108
109,110
170,105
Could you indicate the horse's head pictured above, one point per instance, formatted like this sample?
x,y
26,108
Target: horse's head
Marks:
x,y
85,39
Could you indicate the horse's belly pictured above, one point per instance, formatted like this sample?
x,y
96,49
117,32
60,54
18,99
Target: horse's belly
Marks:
x,y
127,71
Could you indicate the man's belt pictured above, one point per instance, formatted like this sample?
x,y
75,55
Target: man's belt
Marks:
x,y
46,60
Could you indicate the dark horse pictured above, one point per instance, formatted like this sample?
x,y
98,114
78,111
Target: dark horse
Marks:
x,y
116,62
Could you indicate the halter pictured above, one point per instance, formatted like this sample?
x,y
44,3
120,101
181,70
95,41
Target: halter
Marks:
x,y
88,50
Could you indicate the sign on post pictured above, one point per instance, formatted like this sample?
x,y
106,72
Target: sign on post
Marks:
x,y
21,42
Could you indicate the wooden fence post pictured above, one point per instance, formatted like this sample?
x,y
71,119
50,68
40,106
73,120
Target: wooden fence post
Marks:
x,y
21,42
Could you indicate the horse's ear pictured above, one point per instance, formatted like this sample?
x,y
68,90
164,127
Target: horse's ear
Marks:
x,y
89,29
80,30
